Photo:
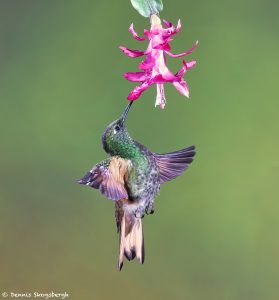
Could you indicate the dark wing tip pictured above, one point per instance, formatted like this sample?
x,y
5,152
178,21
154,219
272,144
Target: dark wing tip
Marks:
x,y
85,179
193,147
91,179
80,181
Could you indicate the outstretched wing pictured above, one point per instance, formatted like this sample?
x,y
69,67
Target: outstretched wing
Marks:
x,y
109,177
175,163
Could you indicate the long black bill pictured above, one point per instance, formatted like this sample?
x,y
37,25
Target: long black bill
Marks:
x,y
124,115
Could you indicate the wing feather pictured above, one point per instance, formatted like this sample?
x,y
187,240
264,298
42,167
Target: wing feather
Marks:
x,y
175,163
109,177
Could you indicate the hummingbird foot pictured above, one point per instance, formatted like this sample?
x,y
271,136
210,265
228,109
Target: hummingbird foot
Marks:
x,y
139,213
150,208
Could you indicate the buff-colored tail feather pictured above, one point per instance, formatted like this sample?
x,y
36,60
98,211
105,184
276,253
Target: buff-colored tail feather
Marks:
x,y
131,239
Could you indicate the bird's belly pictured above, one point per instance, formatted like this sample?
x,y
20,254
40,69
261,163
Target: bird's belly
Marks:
x,y
143,186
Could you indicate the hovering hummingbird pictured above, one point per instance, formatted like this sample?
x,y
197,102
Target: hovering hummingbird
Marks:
x,y
131,177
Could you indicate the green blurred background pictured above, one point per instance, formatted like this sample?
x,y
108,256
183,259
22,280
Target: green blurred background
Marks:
x,y
214,234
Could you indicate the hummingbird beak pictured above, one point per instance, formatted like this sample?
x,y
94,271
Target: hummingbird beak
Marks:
x,y
124,115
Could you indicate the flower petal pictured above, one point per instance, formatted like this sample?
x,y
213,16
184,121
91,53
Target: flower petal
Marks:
x,y
131,53
135,76
186,66
184,53
167,23
167,76
160,99
162,46
182,88
147,64
138,90
170,30
178,27
135,35
189,64
158,79
147,33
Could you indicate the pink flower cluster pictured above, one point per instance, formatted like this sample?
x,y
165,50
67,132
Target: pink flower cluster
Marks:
x,y
154,69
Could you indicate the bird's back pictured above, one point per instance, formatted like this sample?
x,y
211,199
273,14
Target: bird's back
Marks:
x,y
143,181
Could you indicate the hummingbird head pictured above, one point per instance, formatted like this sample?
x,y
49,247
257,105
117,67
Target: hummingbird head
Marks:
x,y
116,138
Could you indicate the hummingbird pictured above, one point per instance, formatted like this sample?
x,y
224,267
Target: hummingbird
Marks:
x,y
131,177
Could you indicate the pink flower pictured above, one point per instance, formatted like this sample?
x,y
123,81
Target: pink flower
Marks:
x,y
154,69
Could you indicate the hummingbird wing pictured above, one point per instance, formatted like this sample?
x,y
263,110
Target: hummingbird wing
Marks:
x,y
109,177
175,163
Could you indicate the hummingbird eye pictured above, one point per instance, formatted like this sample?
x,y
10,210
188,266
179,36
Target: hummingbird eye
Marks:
x,y
116,129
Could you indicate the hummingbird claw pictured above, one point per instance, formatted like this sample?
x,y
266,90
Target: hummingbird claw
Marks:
x,y
139,213
149,211
150,208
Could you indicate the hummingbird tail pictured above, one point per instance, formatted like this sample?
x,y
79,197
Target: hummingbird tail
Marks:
x,y
131,241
